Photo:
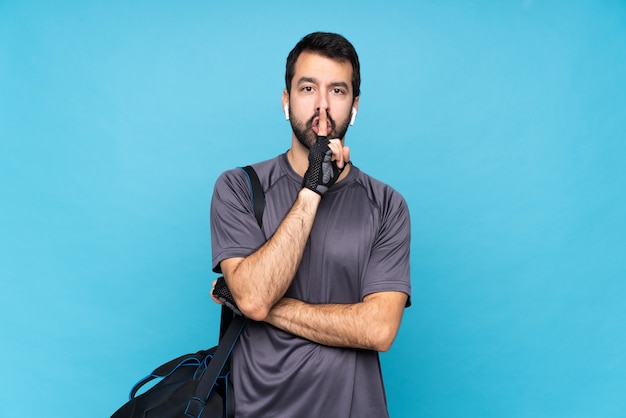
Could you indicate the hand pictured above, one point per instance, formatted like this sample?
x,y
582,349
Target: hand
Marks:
x,y
221,292
326,160
216,300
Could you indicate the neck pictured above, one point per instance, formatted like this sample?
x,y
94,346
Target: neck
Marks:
x,y
298,157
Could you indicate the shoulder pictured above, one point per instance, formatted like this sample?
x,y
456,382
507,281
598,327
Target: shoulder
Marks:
x,y
237,178
381,194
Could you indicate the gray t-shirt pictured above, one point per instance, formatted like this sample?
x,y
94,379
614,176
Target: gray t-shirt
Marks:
x,y
359,245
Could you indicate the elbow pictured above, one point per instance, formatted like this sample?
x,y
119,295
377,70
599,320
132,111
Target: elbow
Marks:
x,y
385,339
384,346
253,310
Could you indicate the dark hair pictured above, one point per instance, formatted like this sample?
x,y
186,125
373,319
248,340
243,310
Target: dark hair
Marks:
x,y
329,45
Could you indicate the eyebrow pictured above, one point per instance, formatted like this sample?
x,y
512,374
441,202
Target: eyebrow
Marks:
x,y
315,81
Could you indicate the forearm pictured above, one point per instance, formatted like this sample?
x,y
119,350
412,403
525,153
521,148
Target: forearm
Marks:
x,y
371,324
261,279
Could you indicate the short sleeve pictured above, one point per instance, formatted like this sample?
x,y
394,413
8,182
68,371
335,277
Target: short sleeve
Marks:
x,y
234,229
389,265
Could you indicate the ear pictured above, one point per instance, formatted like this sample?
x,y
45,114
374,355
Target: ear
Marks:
x,y
353,116
355,109
285,101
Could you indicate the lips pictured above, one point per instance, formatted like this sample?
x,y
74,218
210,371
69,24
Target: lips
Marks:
x,y
315,126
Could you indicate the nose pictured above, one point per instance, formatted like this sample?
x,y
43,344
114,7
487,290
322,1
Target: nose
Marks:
x,y
322,103
322,109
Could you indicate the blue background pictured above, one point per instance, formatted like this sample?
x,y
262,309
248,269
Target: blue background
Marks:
x,y
502,123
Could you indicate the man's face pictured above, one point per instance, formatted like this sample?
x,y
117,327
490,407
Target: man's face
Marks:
x,y
320,84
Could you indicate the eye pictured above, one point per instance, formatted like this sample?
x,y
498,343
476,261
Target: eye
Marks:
x,y
306,89
338,91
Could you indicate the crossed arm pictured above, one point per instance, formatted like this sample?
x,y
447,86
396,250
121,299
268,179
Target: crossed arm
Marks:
x,y
370,324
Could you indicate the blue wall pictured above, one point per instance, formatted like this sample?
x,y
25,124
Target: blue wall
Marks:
x,y
502,123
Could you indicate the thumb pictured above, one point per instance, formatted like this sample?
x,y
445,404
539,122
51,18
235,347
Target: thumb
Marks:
x,y
346,154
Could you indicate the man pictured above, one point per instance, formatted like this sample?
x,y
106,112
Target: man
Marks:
x,y
326,280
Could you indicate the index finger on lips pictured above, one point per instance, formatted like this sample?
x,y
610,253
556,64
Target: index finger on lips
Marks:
x,y
322,124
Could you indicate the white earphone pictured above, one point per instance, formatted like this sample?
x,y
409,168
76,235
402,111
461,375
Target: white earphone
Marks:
x,y
353,117
286,109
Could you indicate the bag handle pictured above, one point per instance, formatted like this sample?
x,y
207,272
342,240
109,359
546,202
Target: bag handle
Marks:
x,y
197,403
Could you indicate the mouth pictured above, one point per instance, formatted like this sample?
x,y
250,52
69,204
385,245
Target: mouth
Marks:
x,y
315,126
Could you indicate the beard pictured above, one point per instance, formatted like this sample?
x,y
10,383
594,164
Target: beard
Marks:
x,y
304,130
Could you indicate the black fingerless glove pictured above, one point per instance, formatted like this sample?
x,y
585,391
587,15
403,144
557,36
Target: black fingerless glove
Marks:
x,y
222,292
322,172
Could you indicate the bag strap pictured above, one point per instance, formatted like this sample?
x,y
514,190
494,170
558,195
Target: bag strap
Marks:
x,y
256,192
197,403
